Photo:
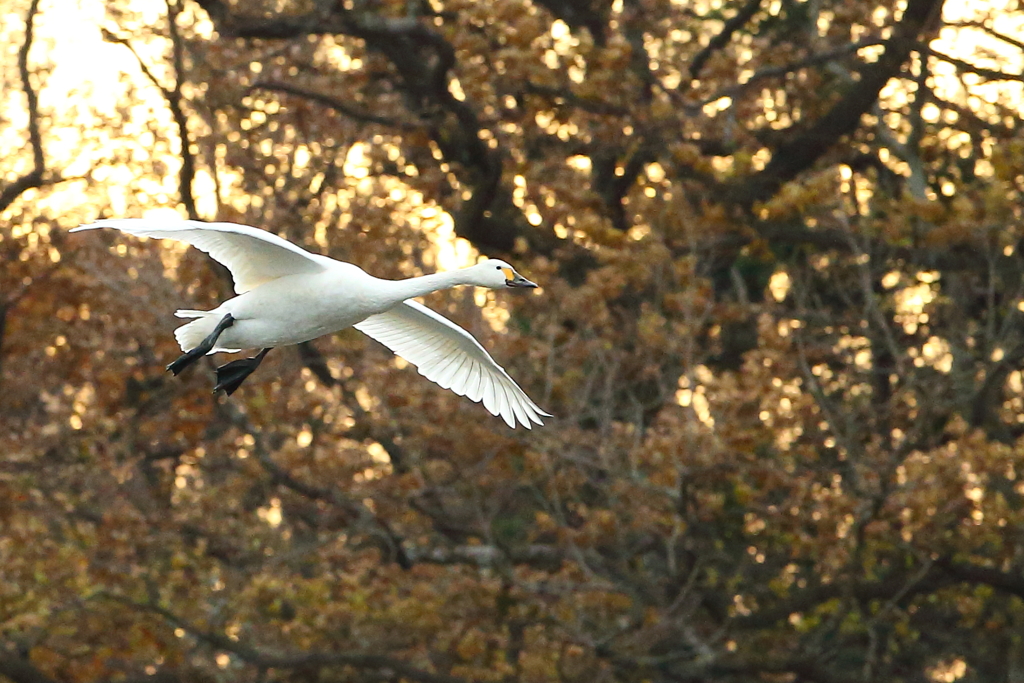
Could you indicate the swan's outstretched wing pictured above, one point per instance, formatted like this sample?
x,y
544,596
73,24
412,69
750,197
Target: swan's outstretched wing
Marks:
x,y
252,255
447,354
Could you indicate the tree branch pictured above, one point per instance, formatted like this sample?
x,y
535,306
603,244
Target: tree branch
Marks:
x,y
332,103
784,69
37,176
173,97
568,97
903,585
1004,582
745,14
800,153
314,360
187,173
980,25
354,510
987,74
423,58
35,137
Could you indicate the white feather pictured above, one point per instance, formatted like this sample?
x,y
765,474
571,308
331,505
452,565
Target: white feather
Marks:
x,y
453,359
252,255
287,295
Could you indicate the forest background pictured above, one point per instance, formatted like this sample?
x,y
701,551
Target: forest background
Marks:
x,y
780,328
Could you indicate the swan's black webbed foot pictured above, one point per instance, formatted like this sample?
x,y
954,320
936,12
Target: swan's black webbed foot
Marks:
x,y
231,375
205,346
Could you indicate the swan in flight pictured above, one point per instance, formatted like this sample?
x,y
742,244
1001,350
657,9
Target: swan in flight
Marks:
x,y
287,295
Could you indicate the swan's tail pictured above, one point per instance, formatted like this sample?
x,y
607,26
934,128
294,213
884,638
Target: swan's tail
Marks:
x,y
191,334
187,313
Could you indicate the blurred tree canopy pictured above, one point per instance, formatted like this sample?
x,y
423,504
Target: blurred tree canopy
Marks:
x,y
780,245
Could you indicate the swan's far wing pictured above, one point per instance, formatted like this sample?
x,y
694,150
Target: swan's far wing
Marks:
x,y
252,255
448,355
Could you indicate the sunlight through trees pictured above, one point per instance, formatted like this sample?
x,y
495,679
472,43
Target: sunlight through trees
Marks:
x,y
780,327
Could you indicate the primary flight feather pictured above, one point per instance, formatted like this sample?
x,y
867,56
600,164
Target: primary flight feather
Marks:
x,y
287,295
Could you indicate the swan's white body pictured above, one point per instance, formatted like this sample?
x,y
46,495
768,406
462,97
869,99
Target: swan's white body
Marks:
x,y
287,295
290,310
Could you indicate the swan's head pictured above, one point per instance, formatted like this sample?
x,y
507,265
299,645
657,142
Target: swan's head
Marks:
x,y
497,274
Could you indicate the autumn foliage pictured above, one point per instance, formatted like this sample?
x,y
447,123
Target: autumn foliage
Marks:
x,y
780,328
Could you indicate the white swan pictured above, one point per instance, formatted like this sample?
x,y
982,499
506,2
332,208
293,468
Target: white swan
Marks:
x,y
288,295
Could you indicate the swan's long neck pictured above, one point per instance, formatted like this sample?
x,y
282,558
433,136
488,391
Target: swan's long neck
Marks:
x,y
419,286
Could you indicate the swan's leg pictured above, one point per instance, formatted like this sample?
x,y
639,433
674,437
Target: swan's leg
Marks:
x,y
231,375
205,346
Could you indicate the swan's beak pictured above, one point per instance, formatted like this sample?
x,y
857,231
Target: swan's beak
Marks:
x,y
518,280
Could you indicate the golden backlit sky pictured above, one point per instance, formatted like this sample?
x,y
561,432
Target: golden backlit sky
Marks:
x,y
982,49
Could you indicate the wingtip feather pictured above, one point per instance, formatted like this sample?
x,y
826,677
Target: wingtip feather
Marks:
x,y
518,406
105,223
489,400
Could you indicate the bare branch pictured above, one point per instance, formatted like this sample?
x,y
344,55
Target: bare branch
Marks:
x,y
989,30
174,99
187,173
31,180
37,176
331,102
35,137
987,74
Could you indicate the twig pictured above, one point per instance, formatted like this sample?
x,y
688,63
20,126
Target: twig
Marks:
x,y
989,30
173,97
332,103
987,74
